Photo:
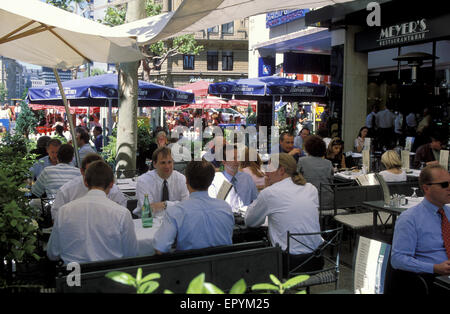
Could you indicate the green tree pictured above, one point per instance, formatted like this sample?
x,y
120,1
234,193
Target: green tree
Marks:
x,y
3,92
95,71
27,121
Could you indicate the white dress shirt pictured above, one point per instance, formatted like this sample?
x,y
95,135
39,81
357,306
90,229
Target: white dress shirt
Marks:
x,y
289,207
152,184
92,228
75,188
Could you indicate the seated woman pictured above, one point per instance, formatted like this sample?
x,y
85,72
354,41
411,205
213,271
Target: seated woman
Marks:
x,y
359,141
317,170
334,153
253,168
393,164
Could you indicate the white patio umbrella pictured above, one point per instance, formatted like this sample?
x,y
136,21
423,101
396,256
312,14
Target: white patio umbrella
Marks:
x,y
195,15
41,34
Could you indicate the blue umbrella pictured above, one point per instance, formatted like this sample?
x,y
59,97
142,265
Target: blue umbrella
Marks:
x,y
98,90
268,87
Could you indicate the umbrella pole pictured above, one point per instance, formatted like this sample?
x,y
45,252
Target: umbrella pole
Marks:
x,y
110,123
69,117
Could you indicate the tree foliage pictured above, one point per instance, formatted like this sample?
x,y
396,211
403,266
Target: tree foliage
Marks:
x,y
27,121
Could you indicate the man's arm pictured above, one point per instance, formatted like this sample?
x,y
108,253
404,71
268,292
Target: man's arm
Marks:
x,y
257,212
404,248
165,236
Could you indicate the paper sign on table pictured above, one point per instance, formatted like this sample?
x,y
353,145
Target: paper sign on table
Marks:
x,y
443,158
405,160
367,142
366,159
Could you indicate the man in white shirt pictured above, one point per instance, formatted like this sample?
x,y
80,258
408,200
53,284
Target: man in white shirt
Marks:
x,y
53,177
76,188
291,204
93,228
163,185
243,190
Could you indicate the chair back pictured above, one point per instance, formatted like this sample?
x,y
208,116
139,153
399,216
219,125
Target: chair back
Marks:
x,y
329,250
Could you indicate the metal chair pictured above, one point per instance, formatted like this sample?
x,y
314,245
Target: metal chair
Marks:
x,y
327,192
329,273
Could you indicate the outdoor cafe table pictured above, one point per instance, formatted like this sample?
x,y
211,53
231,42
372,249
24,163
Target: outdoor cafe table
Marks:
x,y
379,206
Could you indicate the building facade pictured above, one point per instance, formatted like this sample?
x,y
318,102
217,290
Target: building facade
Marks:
x,y
224,57
12,78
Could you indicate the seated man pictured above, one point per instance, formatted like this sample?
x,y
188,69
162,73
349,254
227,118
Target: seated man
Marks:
x,y
53,177
299,141
429,153
163,185
76,188
422,232
291,204
244,190
51,159
84,147
287,146
198,222
93,228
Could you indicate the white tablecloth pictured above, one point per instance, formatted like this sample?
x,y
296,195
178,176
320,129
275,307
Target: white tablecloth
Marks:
x,y
349,175
145,236
126,185
413,173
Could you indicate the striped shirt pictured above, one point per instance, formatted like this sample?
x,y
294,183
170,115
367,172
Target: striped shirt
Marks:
x,y
37,168
52,178
84,150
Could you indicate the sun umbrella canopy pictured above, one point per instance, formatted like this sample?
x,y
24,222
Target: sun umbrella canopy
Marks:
x,y
97,90
199,88
38,33
256,88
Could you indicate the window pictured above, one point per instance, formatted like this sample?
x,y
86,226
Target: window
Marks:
x,y
212,60
214,29
228,28
227,61
188,62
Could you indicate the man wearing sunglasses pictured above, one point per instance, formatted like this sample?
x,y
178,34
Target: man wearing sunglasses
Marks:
x,y
421,241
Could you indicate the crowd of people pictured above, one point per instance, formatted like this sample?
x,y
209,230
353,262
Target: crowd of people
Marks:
x,y
198,206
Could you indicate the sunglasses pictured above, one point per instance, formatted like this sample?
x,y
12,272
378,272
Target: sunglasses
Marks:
x,y
443,185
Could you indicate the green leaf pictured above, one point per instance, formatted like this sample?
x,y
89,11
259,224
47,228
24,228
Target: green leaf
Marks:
x,y
151,277
13,223
275,280
139,275
239,287
148,287
166,291
301,292
264,286
295,281
122,277
209,288
196,285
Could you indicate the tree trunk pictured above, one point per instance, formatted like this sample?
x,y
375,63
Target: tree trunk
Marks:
x,y
128,100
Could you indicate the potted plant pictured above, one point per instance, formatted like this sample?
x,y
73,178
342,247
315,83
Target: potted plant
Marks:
x,y
18,220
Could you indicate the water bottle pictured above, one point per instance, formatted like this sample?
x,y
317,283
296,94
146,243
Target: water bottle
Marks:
x,y
147,218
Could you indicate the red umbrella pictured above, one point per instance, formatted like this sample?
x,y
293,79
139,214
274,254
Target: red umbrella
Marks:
x,y
243,103
199,88
73,110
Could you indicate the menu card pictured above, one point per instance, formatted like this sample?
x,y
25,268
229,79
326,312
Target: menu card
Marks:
x,y
366,160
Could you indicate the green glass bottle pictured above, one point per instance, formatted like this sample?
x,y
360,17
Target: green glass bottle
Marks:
x,y
147,218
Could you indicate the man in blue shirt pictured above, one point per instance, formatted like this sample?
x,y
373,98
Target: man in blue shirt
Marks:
x,y
51,159
418,244
98,138
243,191
198,222
287,146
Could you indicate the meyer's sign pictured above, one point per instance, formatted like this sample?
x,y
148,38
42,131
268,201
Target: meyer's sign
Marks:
x,y
284,16
403,33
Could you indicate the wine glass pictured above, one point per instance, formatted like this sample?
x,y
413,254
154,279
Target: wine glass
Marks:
x,y
414,195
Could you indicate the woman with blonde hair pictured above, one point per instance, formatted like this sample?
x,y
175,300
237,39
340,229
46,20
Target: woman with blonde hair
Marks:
x,y
393,164
290,204
253,168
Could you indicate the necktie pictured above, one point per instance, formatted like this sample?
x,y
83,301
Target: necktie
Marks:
x,y
165,192
445,231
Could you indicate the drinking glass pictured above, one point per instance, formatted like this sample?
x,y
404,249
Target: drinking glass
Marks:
x,y
414,194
